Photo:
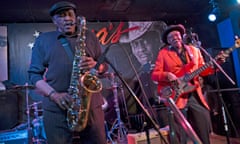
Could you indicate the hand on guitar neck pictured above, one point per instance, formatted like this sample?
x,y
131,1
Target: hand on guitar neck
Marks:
x,y
180,85
221,57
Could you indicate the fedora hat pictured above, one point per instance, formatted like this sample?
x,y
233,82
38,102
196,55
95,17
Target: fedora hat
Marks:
x,y
60,6
171,28
142,27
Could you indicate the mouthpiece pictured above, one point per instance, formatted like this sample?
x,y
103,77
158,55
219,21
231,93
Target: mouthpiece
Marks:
x,y
70,23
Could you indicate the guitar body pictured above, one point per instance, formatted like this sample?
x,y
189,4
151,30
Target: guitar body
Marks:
x,y
182,89
177,90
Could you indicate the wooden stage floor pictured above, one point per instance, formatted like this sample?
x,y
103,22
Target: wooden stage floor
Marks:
x,y
218,139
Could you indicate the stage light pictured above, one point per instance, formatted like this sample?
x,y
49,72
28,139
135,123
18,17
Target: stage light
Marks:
x,y
213,16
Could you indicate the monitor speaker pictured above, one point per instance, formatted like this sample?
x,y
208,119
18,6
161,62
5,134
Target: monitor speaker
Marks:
x,y
15,137
141,138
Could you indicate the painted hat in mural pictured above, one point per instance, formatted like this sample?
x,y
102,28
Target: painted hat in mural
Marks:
x,y
60,6
171,28
141,28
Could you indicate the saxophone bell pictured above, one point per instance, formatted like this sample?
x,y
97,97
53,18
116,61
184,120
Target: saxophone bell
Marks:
x,y
91,83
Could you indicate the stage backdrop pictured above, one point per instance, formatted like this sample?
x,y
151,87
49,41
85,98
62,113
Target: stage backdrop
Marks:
x,y
133,50
133,47
130,60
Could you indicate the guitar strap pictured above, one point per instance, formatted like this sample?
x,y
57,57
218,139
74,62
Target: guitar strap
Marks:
x,y
182,55
187,55
67,47
190,53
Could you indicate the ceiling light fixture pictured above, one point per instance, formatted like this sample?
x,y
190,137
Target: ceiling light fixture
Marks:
x,y
213,16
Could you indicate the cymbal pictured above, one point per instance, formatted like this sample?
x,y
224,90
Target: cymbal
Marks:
x,y
20,87
17,88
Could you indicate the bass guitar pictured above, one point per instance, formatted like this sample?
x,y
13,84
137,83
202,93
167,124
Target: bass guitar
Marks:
x,y
182,85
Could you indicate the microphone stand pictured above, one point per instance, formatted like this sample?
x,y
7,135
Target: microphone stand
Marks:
x,y
224,110
156,127
147,134
216,64
223,105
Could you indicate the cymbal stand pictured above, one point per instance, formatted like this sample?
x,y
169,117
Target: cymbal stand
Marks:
x,y
156,127
125,106
118,124
27,107
39,136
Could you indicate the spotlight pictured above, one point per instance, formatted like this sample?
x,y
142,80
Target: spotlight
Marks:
x,y
214,14
212,17
215,11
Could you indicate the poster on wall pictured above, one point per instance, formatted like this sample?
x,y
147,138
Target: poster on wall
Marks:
x,y
133,48
3,54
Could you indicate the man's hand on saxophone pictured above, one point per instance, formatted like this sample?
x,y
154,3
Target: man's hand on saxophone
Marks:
x,y
62,99
87,63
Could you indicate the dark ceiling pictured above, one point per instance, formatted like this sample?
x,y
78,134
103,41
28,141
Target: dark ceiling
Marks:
x,y
22,11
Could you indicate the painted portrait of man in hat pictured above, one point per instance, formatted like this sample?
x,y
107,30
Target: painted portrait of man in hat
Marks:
x,y
145,42
137,51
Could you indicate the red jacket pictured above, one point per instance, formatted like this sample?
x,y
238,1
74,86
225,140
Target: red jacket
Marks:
x,y
168,61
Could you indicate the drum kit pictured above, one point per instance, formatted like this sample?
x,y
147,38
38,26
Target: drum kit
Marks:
x,y
34,125
117,132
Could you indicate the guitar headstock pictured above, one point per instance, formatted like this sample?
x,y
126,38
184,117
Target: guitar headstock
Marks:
x,y
237,42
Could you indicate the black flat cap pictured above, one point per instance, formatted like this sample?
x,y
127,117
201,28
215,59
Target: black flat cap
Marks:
x,y
60,6
171,28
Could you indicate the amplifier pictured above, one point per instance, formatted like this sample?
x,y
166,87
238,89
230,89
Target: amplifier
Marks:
x,y
140,138
14,137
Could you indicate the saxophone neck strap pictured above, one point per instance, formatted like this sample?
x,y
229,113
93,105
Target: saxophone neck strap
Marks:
x,y
67,47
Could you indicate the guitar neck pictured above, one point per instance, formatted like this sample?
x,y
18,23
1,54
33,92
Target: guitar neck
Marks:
x,y
190,76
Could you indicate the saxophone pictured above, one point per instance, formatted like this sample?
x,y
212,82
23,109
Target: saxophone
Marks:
x,y
82,84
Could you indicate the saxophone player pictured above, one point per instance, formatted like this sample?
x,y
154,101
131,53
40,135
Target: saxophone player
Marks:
x,y
50,71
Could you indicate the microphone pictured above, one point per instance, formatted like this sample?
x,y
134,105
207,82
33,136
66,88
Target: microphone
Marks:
x,y
190,37
187,37
73,23
102,58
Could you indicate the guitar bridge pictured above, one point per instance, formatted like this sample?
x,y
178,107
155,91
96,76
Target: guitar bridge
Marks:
x,y
166,92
